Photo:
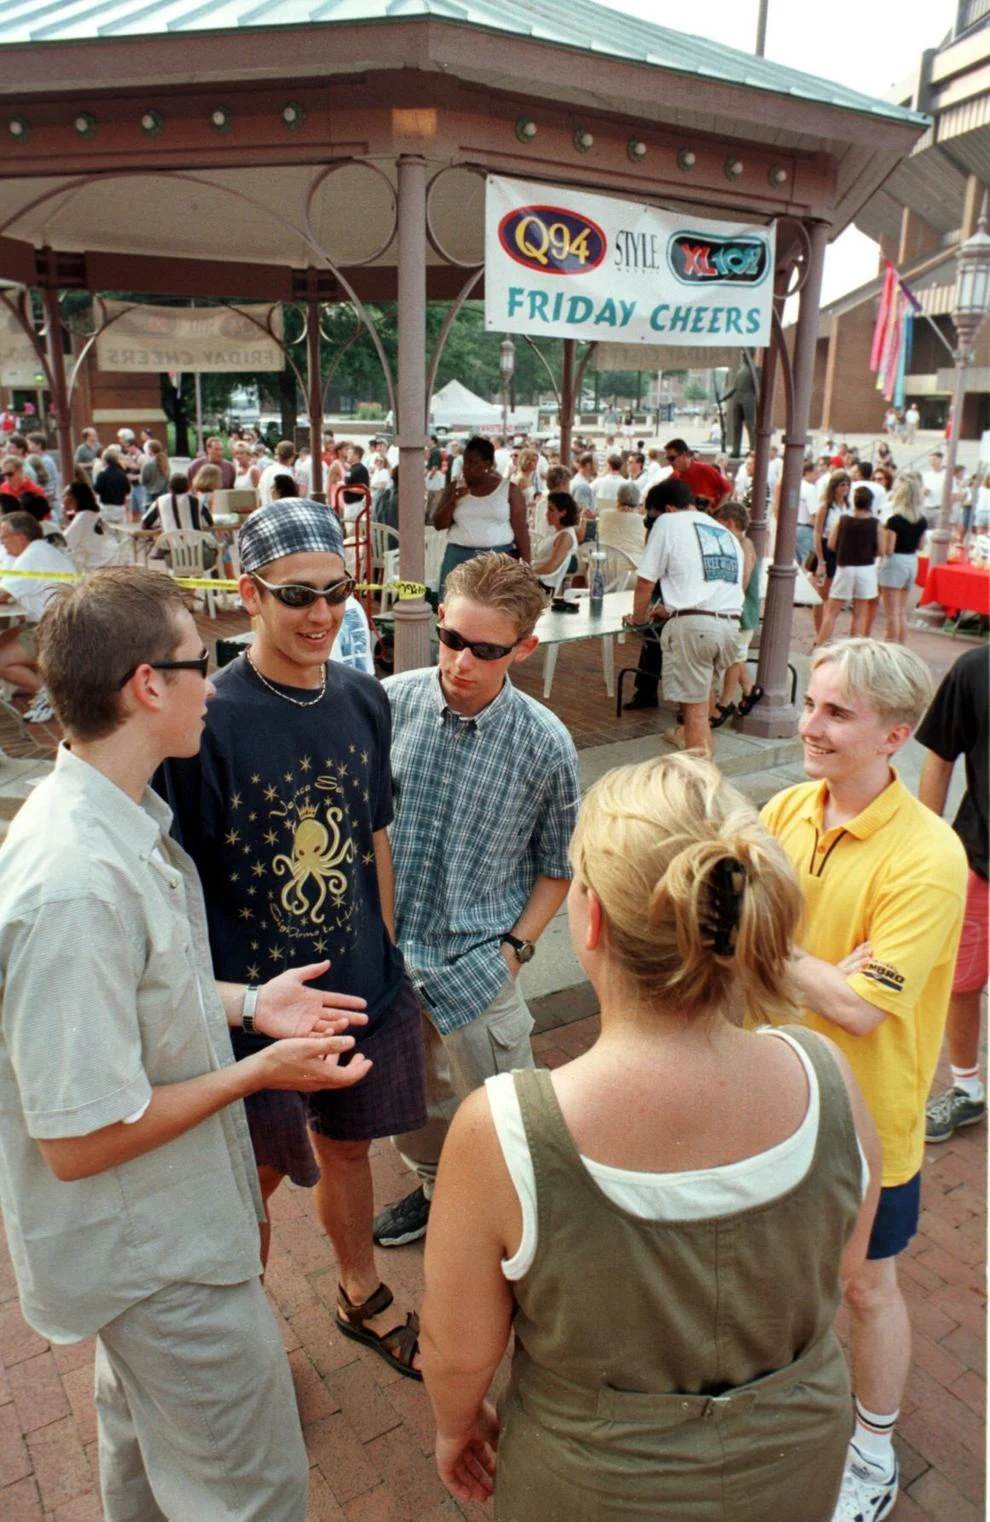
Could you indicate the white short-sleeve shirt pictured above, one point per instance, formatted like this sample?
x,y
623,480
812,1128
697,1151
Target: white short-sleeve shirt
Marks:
x,y
698,562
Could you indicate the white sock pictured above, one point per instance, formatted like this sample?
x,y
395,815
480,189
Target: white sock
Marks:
x,y
969,1081
873,1437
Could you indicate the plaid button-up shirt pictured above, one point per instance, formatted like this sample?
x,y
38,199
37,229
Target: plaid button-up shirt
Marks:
x,y
483,806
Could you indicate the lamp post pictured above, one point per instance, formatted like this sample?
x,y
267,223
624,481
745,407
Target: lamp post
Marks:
x,y
970,306
507,365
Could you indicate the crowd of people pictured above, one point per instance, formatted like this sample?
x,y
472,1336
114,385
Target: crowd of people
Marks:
x,y
293,905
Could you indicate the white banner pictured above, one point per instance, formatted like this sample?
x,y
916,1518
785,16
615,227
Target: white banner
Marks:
x,y
204,339
572,265
19,362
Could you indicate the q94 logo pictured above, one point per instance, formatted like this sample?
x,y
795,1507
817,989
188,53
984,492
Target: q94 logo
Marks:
x,y
552,240
699,258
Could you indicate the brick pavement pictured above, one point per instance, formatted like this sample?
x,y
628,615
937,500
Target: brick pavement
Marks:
x,y
368,1430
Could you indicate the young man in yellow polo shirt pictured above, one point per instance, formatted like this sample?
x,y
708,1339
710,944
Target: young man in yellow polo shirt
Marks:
x,y
884,885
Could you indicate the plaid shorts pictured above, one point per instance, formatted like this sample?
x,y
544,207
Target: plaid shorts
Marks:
x,y
391,1099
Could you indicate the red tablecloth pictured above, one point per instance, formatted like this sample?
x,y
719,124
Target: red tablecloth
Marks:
x,y
958,587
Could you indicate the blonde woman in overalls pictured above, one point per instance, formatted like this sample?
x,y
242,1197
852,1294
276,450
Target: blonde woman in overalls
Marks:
x,y
665,1222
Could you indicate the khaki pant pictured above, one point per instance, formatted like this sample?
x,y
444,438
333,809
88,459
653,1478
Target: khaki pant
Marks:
x,y
496,1041
196,1410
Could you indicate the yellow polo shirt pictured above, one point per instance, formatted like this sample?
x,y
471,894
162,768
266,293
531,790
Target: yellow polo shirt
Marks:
x,y
894,876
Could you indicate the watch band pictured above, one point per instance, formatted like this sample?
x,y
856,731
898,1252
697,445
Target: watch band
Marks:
x,y
248,1008
524,950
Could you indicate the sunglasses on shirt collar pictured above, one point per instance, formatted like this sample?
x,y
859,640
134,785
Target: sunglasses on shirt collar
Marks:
x,y
296,595
480,649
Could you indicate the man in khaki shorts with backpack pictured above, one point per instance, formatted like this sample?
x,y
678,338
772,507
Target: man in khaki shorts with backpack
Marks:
x,y
699,565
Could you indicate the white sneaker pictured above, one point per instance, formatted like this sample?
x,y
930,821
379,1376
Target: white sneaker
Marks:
x,y
867,1494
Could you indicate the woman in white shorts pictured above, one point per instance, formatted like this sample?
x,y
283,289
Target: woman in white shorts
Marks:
x,y
855,540
902,535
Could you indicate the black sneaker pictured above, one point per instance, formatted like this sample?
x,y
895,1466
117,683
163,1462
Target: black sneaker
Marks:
x,y
403,1222
639,701
953,1109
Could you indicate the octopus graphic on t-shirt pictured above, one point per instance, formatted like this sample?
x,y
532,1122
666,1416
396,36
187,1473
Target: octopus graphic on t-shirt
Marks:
x,y
305,831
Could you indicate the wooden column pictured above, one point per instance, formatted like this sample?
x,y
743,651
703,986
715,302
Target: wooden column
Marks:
x,y
412,618
60,391
775,716
567,402
314,384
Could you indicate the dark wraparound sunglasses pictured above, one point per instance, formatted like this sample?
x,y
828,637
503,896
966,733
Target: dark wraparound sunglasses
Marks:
x,y
296,595
200,663
480,649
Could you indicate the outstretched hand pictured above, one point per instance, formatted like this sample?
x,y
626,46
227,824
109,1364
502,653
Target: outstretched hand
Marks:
x,y
287,1007
466,1464
309,1063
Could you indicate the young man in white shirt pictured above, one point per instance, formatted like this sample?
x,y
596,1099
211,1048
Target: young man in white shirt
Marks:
x,y
126,1175
699,565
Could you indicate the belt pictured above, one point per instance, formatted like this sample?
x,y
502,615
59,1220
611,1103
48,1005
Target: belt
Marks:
x,y
704,613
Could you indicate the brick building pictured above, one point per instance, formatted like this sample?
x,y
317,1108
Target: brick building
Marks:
x,y
927,207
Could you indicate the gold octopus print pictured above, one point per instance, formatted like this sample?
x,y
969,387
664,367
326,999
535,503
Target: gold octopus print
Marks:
x,y
315,863
300,845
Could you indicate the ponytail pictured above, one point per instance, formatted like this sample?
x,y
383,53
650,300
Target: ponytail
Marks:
x,y
700,903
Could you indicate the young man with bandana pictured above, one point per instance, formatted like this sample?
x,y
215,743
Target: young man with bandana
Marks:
x,y
285,812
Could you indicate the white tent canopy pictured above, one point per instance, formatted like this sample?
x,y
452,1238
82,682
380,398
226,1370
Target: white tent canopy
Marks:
x,y
454,406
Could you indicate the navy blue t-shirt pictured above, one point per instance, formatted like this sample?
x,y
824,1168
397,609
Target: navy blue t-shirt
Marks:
x,y
278,811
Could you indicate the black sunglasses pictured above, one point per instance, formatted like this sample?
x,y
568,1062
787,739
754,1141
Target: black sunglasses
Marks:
x,y
295,595
480,649
200,663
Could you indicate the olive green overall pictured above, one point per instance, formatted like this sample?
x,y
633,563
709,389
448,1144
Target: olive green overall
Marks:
x,y
679,1371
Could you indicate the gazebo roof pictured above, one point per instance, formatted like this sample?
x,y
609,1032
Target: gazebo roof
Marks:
x,y
602,30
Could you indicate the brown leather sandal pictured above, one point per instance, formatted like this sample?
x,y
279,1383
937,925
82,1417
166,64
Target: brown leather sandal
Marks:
x,y
398,1346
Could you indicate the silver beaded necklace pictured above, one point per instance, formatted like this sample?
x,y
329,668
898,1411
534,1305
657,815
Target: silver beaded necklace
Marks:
x,y
299,702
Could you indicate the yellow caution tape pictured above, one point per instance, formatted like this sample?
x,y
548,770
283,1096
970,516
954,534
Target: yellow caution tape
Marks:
x,y
405,591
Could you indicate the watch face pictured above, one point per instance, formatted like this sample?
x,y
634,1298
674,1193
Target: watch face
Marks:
x,y
526,951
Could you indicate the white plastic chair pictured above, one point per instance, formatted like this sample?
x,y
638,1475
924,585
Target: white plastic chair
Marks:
x,y
619,568
384,558
186,558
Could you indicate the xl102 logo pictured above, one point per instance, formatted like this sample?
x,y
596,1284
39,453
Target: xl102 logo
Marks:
x,y
700,258
552,240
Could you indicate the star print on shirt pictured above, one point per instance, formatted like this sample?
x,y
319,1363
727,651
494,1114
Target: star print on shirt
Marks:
x,y
232,837
253,973
235,800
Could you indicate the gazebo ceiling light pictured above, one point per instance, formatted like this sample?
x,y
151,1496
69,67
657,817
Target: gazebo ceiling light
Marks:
x,y
584,140
151,122
733,168
220,119
526,129
636,149
686,158
85,124
18,127
777,175
293,115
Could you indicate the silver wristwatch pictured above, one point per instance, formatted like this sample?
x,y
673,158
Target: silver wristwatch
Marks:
x,y
525,950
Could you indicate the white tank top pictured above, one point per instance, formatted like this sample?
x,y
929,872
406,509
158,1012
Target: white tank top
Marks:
x,y
483,522
544,549
683,1196
243,481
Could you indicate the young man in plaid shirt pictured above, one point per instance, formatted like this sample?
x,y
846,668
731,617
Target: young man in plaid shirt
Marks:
x,y
486,794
